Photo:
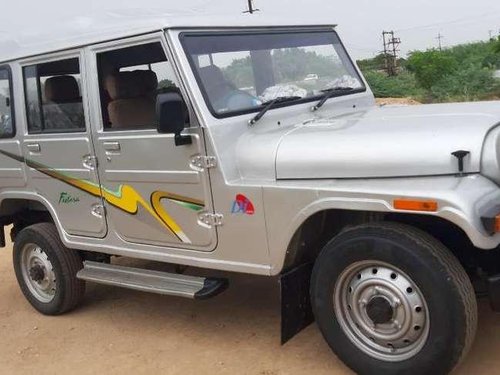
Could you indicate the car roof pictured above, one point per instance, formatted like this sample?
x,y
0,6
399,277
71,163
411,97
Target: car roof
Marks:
x,y
91,29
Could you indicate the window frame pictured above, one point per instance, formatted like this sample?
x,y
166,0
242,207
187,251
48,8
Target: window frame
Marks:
x,y
12,102
206,97
126,43
69,55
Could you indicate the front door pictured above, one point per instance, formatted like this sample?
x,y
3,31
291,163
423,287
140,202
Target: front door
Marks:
x,y
153,193
57,147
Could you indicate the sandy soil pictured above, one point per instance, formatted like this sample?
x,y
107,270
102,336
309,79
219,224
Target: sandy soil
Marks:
x,y
120,332
397,101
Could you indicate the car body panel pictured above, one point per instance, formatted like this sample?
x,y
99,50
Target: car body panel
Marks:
x,y
388,142
270,177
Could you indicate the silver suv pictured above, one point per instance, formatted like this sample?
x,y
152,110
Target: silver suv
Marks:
x,y
206,144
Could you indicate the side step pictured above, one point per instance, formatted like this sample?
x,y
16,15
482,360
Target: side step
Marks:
x,y
170,284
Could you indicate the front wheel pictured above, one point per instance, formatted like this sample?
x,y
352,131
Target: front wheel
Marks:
x,y
391,299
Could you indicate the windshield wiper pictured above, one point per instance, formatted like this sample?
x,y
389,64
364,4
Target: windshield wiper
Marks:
x,y
270,104
330,93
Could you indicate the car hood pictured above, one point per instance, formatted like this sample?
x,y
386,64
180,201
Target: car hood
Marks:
x,y
388,142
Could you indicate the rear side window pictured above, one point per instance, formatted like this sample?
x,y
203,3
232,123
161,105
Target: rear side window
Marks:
x,y
7,129
53,97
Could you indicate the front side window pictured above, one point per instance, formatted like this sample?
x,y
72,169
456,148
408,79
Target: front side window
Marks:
x,y
241,72
130,80
53,97
6,112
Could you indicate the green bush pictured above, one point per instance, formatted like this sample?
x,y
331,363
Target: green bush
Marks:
x,y
491,61
469,83
431,67
496,47
461,73
401,86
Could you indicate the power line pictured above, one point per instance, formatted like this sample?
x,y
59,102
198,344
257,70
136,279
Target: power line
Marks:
x,y
361,48
479,17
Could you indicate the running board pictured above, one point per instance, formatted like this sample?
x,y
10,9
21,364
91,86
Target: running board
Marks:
x,y
170,284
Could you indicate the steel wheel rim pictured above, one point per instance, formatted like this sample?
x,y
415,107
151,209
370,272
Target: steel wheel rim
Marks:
x,y
382,311
38,273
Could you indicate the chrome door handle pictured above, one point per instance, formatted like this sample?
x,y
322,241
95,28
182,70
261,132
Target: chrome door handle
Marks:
x,y
33,147
112,146
90,162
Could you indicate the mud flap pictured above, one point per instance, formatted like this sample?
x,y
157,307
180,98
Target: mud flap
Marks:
x,y
494,292
296,311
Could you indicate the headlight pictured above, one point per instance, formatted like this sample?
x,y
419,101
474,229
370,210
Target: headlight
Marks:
x,y
490,160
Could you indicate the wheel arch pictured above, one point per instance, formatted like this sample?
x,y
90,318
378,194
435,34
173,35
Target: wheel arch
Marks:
x,y
24,209
322,226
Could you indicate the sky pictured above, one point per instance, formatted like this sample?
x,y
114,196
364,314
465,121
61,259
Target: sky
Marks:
x,y
361,22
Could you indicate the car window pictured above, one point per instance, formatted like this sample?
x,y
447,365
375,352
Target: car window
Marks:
x,y
53,97
130,80
6,105
240,72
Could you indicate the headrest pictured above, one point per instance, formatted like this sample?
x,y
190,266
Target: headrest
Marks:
x,y
62,89
212,75
129,85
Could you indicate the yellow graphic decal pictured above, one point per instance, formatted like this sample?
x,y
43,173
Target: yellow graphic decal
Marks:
x,y
129,200
126,198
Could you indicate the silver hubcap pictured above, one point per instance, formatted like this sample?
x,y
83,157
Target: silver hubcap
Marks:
x,y
38,273
381,310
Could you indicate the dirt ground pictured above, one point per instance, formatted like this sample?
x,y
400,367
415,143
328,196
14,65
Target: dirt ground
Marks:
x,y
117,331
397,101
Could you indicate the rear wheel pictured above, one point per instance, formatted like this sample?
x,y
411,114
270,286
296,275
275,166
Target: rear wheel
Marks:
x,y
46,270
391,299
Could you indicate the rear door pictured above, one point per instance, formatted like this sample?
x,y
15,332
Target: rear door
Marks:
x,y
11,170
154,191
57,146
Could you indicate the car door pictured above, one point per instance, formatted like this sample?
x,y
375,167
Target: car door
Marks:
x,y
57,145
154,192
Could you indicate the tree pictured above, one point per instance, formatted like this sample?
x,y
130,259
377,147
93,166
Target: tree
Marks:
x,y
431,67
496,47
375,63
378,63
289,65
240,72
3,105
165,84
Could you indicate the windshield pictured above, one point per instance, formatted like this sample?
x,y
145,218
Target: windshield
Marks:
x,y
239,73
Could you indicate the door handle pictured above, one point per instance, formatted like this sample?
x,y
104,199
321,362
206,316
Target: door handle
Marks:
x,y
112,146
34,147
89,162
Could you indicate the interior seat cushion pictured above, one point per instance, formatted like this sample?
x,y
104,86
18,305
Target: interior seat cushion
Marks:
x,y
133,99
128,85
132,113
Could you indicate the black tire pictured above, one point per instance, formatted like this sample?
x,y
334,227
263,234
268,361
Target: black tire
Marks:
x,y
435,271
69,291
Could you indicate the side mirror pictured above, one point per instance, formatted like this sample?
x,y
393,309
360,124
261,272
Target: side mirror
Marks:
x,y
171,116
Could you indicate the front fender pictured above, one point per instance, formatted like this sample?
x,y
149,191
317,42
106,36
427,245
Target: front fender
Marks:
x,y
461,201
